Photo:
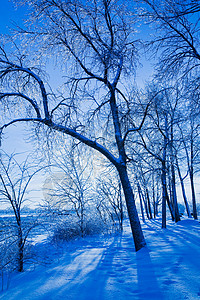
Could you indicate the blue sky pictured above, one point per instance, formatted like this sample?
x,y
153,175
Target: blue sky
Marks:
x,y
9,14
13,136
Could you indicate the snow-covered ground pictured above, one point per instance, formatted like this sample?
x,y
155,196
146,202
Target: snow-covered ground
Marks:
x,y
107,268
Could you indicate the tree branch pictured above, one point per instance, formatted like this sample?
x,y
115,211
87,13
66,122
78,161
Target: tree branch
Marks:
x,y
83,139
14,67
33,103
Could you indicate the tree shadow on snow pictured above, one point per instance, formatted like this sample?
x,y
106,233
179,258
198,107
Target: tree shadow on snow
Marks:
x,y
148,287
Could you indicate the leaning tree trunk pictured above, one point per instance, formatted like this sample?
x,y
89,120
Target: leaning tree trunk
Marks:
x,y
183,189
131,208
120,164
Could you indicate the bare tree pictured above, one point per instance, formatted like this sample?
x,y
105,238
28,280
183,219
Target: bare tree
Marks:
x,y
110,200
190,141
183,187
14,184
176,47
158,141
95,41
68,187
176,36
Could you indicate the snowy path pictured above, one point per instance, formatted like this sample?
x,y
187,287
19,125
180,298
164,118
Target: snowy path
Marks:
x,y
109,269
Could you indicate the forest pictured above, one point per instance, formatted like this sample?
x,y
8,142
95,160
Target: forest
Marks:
x,y
115,143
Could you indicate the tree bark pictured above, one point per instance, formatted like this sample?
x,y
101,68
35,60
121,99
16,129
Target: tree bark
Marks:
x,y
173,181
153,196
131,208
170,206
148,203
174,195
141,205
163,178
193,194
164,197
191,171
145,204
183,190
20,258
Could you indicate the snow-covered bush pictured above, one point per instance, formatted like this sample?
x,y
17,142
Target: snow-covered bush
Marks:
x,y
95,225
66,231
68,228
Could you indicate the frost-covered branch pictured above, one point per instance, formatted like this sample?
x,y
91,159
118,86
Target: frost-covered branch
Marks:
x,y
11,68
20,95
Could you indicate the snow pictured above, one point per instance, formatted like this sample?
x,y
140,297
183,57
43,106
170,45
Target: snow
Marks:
x,y
107,267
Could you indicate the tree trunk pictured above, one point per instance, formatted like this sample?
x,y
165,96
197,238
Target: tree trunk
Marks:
x,y
163,178
191,171
138,236
174,195
173,179
121,211
164,197
170,206
141,205
193,194
157,198
148,203
153,196
145,204
183,190
131,208
20,258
